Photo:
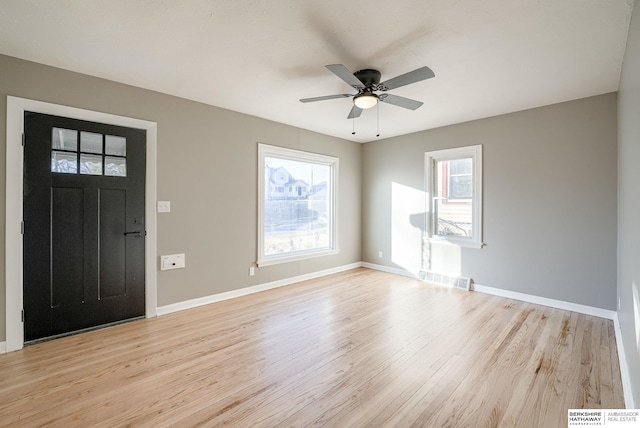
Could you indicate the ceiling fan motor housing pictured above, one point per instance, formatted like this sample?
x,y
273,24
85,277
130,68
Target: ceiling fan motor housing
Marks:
x,y
370,78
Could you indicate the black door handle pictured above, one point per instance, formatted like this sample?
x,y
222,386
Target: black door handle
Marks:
x,y
136,234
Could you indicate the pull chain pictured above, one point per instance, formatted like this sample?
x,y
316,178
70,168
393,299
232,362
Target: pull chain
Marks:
x,y
354,126
377,119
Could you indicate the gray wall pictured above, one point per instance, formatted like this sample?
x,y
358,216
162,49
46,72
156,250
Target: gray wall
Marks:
x,y
207,161
629,203
550,201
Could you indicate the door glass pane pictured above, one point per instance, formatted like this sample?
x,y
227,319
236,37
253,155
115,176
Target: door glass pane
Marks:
x,y
115,167
115,145
90,142
90,164
64,139
63,162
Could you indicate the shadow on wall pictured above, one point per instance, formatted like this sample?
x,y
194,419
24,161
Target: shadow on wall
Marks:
x,y
636,313
410,249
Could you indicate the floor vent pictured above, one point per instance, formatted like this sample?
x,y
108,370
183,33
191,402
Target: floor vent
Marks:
x,y
463,283
460,282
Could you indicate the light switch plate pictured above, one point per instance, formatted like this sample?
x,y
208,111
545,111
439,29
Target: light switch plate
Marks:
x,y
172,261
164,206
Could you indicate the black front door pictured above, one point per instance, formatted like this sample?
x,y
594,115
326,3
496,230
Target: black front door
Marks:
x,y
84,233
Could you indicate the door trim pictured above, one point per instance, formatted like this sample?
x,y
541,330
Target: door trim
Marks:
x,y
13,205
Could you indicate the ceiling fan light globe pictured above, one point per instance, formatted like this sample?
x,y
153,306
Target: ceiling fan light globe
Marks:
x,y
365,101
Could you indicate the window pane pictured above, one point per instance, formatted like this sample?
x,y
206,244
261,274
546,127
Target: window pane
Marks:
x,y
63,162
460,166
64,139
296,206
90,164
115,167
90,142
115,145
453,219
460,187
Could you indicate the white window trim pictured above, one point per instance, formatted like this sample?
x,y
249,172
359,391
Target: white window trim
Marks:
x,y
297,155
430,159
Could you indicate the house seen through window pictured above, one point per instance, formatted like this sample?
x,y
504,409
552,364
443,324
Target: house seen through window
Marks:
x,y
297,205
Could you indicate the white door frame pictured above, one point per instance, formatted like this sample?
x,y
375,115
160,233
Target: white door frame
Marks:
x,y
14,196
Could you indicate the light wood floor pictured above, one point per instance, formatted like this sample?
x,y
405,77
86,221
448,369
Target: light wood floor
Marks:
x,y
357,349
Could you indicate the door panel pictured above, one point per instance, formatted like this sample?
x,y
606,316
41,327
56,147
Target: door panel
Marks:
x,y
67,236
83,196
112,242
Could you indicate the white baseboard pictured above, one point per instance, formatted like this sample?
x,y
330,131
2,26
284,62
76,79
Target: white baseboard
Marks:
x,y
553,303
629,402
388,269
3,347
559,304
194,303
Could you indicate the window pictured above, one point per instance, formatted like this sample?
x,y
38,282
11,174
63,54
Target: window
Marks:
x,y
96,150
296,205
454,188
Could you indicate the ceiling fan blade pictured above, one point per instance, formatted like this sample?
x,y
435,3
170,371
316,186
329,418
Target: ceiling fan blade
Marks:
x,y
326,97
400,101
414,76
343,72
355,112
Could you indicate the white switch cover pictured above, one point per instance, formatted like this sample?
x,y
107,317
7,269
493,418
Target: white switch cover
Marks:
x,y
173,261
164,206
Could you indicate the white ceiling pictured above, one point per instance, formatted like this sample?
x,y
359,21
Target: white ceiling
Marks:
x,y
260,57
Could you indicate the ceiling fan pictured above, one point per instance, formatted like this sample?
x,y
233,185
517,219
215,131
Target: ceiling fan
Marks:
x,y
367,83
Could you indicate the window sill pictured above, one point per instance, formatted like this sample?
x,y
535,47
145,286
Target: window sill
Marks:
x,y
456,242
296,257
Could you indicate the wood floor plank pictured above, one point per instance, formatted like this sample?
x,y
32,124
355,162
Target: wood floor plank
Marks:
x,y
361,348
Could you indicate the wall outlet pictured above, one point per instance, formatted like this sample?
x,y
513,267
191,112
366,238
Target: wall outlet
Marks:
x,y
173,261
164,206
380,254
252,271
